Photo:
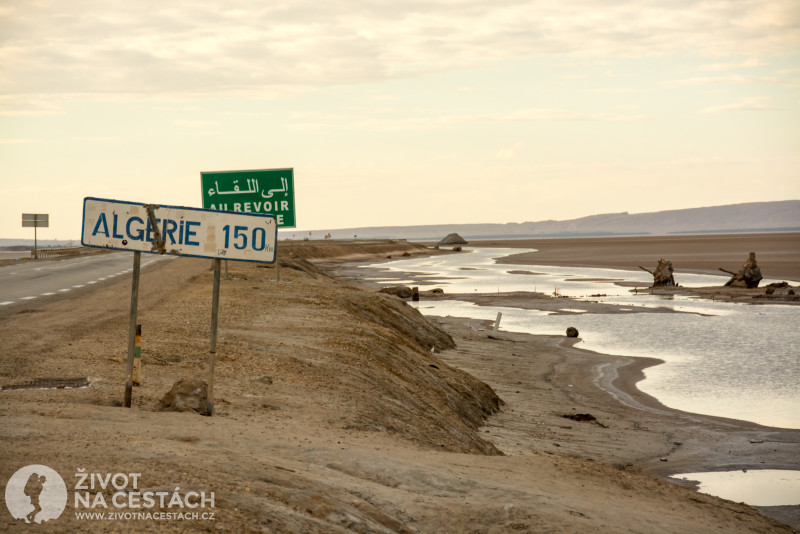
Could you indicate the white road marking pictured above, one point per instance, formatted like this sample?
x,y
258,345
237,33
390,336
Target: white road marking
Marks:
x,y
56,265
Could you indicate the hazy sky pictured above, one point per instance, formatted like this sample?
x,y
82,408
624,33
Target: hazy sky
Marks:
x,y
400,113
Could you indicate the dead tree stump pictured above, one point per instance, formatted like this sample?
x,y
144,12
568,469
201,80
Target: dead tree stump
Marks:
x,y
662,276
749,275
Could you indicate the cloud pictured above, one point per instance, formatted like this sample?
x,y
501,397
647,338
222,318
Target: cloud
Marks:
x,y
744,104
32,105
194,123
722,80
509,152
745,64
241,47
16,141
613,90
396,120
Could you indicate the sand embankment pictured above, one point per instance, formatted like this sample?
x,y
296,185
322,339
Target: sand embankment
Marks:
x,y
343,250
340,410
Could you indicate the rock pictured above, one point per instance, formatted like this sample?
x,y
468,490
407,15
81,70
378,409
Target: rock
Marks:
x,y
264,379
452,239
403,292
770,290
572,332
749,275
580,417
779,285
186,395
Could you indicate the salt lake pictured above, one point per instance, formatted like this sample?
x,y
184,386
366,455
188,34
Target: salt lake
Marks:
x,y
726,359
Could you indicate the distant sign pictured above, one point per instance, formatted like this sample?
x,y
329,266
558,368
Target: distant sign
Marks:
x,y
122,225
35,220
268,191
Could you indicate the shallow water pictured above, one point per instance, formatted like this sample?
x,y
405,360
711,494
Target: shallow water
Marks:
x,y
731,360
764,487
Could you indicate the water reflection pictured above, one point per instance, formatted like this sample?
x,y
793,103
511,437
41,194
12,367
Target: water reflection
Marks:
x,y
732,360
766,487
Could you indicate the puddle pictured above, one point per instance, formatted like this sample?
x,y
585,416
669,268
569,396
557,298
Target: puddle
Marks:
x,y
763,487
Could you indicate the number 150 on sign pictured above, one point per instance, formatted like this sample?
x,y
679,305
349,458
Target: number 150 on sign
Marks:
x,y
244,236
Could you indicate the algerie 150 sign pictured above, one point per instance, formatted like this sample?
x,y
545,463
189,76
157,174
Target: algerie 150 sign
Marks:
x,y
133,226
259,191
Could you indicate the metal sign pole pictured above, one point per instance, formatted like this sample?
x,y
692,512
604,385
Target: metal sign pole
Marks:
x,y
192,232
277,263
137,257
212,357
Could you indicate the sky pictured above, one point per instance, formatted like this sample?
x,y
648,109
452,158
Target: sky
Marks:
x,y
400,112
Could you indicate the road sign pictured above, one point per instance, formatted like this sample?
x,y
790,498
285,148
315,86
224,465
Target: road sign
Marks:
x,y
259,191
133,226
35,220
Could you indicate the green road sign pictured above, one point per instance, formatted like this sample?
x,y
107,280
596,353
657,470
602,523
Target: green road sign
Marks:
x,y
261,191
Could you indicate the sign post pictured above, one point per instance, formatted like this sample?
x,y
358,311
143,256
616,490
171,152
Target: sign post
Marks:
x,y
137,260
266,191
35,220
137,227
212,354
255,191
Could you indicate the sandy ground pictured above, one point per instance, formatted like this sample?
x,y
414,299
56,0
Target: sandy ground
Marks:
x,y
778,254
341,410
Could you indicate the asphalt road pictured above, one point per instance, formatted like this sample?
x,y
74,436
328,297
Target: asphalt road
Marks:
x,y
35,281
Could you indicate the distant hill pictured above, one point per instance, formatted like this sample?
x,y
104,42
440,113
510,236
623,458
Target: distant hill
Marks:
x,y
734,218
779,216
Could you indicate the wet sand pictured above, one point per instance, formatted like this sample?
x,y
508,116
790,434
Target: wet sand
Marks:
x,y
649,437
777,254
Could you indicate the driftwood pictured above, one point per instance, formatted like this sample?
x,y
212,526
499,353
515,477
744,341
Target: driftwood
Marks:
x,y
662,276
749,275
